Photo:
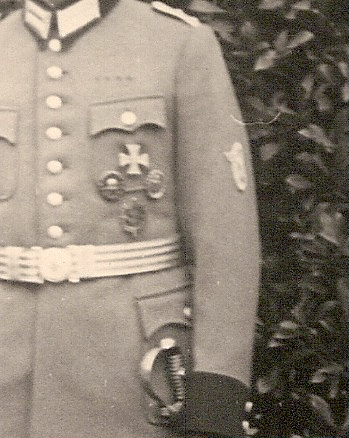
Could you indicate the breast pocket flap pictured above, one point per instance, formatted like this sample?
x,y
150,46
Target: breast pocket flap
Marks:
x,y
127,115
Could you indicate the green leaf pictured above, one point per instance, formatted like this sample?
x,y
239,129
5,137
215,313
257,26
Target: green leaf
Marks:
x,y
268,151
334,389
326,71
270,381
322,409
329,317
298,182
300,39
286,330
313,285
343,68
263,385
291,14
273,343
259,131
330,224
280,43
266,60
317,134
308,84
304,5
224,28
256,103
262,45
205,7
324,103
289,325
302,236
248,30
312,159
271,4
342,293
321,374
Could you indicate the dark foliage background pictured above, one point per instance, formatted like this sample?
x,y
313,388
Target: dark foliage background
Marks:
x,y
288,62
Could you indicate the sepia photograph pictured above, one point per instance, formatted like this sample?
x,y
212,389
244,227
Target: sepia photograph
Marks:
x,y
173,219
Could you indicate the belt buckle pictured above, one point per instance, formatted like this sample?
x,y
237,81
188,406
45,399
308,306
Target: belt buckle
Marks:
x,y
55,264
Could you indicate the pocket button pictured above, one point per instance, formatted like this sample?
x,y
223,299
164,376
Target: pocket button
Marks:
x,y
128,118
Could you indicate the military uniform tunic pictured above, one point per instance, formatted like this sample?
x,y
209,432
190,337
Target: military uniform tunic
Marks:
x,y
119,135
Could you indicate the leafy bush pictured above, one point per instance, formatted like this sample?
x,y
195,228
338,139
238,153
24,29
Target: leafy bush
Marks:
x,y
6,6
287,59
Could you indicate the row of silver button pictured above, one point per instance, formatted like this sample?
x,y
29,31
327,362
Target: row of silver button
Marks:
x,y
54,167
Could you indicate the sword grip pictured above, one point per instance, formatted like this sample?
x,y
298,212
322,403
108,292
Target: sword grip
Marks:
x,y
175,373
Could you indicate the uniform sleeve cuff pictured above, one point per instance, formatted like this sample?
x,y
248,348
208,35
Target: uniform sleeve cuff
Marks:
x,y
215,404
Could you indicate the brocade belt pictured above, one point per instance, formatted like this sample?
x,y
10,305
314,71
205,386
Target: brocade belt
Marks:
x,y
75,262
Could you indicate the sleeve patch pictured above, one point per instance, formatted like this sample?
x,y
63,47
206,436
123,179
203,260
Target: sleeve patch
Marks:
x,y
238,166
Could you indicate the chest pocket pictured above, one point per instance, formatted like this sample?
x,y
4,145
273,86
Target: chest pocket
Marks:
x,y
127,141
128,115
8,152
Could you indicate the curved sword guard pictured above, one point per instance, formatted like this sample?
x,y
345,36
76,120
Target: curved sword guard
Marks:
x,y
175,372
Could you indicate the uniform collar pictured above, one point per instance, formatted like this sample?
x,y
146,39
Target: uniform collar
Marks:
x,y
65,21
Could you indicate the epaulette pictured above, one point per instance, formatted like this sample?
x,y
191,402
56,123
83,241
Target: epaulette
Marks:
x,y
178,13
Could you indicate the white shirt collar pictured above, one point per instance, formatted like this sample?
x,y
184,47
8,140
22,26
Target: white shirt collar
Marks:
x,y
69,19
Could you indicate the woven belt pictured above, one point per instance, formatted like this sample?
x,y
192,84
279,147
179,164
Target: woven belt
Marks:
x,y
75,262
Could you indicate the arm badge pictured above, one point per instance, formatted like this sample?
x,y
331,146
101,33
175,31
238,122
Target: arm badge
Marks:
x,y
238,166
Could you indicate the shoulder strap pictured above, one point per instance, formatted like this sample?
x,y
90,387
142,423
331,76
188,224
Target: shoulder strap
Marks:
x,y
178,13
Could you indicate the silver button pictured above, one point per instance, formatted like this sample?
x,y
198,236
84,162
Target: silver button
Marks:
x,y
55,45
54,72
128,118
54,167
54,102
54,133
54,199
55,232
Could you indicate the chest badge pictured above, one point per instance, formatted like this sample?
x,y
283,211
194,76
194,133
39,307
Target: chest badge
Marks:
x,y
154,184
238,166
134,159
133,217
111,186
132,175
131,183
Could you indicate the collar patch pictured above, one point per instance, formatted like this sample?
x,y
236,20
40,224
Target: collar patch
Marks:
x,y
69,19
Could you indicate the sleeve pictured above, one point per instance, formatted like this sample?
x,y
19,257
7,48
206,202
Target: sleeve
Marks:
x,y
217,207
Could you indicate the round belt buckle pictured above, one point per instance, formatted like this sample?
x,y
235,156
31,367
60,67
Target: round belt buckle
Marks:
x,y
55,264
